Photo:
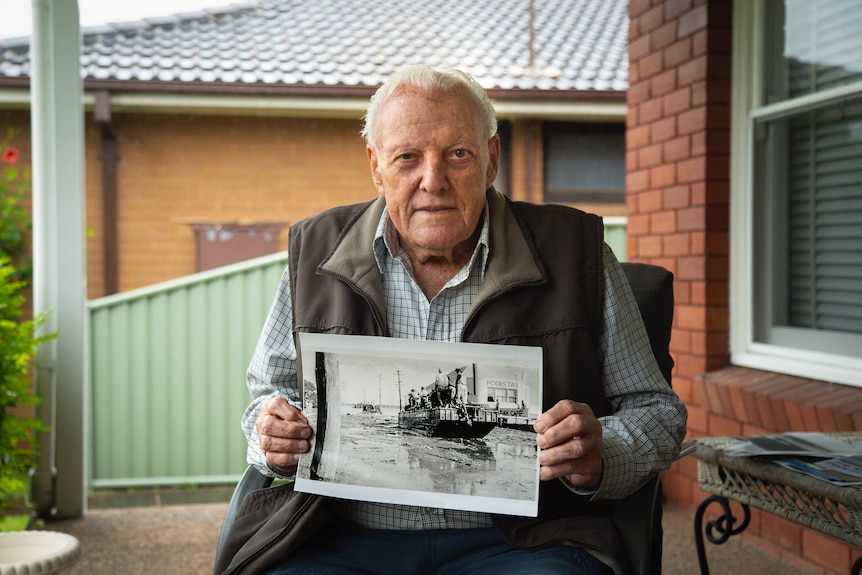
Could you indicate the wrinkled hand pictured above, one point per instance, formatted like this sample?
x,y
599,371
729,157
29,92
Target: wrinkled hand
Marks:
x,y
283,434
570,439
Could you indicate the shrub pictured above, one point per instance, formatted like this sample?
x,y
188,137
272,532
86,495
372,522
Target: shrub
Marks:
x,y
18,342
18,339
15,221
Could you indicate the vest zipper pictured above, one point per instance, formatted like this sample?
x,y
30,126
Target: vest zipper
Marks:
x,y
488,300
378,317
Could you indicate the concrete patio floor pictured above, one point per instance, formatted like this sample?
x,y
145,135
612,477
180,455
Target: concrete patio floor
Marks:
x,y
164,534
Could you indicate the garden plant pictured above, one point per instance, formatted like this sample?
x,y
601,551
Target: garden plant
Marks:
x,y
18,332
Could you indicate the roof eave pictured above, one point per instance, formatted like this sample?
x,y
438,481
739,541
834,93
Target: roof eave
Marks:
x,y
337,101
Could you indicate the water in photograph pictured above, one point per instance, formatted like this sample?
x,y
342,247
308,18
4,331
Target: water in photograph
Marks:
x,y
375,452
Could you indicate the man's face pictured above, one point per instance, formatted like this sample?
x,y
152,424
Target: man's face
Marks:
x,y
433,165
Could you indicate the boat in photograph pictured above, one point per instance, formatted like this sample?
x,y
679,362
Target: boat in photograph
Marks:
x,y
514,416
368,406
468,422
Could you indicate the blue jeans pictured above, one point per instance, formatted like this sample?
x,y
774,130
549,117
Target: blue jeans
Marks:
x,y
344,548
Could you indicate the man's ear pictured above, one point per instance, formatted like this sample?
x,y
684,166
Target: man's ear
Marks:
x,y
493,160
375,168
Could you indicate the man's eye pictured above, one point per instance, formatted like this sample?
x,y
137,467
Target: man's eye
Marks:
x,y
460,153
406,156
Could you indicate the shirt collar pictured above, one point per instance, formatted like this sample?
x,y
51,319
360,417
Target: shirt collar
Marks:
x,y
386,243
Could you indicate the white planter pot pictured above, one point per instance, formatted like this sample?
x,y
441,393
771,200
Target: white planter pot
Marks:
x,y
37,552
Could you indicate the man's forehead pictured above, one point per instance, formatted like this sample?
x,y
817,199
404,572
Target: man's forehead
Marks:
x,y
432,94
403,101
404,122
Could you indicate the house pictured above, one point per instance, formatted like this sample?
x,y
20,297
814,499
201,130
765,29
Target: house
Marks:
x,y
207,134
743,160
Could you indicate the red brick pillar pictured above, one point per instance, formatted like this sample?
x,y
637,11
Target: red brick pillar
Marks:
x,y
677,161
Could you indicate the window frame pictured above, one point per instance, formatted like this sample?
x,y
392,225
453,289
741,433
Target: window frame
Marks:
x,y
748,107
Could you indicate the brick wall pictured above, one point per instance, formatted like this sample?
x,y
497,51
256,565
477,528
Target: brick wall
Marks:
x,y
175,170
678,176
678,197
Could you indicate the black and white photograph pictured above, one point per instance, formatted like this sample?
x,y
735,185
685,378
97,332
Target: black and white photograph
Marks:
x,y
435,424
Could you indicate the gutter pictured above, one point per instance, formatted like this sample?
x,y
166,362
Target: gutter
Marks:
x,y
344,108
344,102
15,99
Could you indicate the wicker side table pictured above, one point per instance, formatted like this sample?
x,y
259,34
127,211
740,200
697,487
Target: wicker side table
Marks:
x,y
758,483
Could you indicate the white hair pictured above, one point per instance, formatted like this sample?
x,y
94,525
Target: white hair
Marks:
x,y
430,79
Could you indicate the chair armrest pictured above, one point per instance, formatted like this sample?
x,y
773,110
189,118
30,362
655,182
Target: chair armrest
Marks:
x,y
251,480
638,522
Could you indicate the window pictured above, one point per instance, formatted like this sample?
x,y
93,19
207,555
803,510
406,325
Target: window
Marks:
x,y
798,133
584,162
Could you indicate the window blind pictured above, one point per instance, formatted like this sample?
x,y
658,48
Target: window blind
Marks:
x,y
823,50
822,45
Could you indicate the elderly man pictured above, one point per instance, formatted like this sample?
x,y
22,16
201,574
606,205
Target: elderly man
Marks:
x,y
441,255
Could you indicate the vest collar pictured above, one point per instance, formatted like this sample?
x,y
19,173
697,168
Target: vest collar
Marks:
x,y
511,259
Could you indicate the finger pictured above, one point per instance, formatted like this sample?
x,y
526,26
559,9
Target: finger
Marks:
x,y
571,452
282,442
282,428
283,462
282,409
559,412
584,427
275,444
565,421
578,459
579,474
274,426
281,419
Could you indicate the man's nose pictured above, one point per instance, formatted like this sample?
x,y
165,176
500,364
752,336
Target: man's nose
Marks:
x,y
434,176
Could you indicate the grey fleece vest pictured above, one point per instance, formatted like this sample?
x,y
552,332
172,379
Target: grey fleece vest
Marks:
x,y
542,287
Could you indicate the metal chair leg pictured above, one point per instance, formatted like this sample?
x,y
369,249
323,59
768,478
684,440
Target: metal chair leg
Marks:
x,y
723,526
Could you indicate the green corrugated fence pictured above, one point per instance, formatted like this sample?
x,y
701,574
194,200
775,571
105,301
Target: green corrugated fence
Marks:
x,y
167,376
615,236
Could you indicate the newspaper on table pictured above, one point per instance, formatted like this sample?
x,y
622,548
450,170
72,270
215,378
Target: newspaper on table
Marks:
x,y
816,454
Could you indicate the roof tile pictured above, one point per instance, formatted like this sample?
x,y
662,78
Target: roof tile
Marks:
x,y
577,44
